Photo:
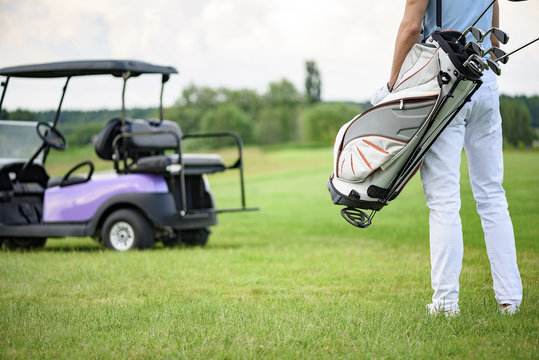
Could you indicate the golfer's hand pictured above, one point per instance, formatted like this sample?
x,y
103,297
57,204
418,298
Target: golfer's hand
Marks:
x,y
379,94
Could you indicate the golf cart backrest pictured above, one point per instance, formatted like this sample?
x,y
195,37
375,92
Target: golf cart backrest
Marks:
x,y
140,137
160,136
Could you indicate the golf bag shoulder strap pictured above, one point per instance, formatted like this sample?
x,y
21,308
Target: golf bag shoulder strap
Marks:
x,y
439,14
438,7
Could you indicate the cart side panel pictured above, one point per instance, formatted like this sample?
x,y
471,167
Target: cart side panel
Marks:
x,y
78,203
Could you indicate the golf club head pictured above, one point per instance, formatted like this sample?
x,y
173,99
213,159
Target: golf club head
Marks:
x,y
477,34
498,54
499,34
475,63
476,48
494,67
504,59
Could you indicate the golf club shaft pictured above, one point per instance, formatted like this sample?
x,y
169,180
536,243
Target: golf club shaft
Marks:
x,y
483,13
514,51
480,16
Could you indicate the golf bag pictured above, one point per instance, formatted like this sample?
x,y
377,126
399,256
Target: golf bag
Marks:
x,y
378,151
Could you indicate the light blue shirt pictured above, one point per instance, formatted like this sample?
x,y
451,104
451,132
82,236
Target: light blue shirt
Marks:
x,y
458,15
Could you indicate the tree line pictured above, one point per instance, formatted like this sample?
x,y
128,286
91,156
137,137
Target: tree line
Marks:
x,y
282,114
520,120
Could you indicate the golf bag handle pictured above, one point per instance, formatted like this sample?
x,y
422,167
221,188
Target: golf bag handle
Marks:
x,y
439,14
239,162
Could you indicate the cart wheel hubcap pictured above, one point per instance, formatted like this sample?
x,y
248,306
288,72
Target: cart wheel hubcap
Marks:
x,y
122,236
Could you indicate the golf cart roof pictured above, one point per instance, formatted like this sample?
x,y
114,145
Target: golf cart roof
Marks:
x,y
86,67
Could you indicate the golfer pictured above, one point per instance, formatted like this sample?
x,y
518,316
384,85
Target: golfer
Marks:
x,y
477,128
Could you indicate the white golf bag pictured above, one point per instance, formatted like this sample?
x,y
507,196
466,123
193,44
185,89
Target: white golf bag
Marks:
x,y
378,151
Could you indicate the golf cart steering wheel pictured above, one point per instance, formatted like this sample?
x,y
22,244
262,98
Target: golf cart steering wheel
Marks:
x,y
51,136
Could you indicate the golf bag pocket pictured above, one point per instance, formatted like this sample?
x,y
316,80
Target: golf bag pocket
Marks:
x,y
418,76
364,155
419,67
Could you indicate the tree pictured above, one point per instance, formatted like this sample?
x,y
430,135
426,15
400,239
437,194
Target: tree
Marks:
x,y
278,120
532,103
21,115
313,83
282,93
227,117
189,109
247,100
516,122
322,121
277,124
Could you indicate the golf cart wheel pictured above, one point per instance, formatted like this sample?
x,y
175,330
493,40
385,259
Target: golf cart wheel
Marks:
x,y
25,243
196,237
126,230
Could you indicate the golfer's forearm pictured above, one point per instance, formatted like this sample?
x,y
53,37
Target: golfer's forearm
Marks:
x,y
408,34
406,38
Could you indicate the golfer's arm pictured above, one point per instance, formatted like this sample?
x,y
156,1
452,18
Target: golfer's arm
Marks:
x,y
495,23
408,34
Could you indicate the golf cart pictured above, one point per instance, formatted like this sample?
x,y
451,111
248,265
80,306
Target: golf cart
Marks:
x,y
155,193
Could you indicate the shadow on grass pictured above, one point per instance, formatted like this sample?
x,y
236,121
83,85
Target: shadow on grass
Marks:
x,y
94,248
58,249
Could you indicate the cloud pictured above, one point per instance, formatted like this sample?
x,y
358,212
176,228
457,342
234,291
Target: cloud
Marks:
x,y
234,43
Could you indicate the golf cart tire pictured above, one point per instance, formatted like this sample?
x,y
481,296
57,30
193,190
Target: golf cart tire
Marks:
x,y
128,225
195,237
26,243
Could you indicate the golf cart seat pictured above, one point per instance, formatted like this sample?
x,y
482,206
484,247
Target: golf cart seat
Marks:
x,y
157,138
146,142
31,180
193,163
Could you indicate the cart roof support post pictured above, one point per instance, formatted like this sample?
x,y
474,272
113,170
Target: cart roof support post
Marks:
x,y
164,79
4,85
126,75
57,116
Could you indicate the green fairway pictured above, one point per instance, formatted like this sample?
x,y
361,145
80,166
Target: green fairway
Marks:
x,y
293,280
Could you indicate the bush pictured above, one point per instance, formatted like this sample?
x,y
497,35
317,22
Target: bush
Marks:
x,y
322,121
277,124
81,134
227,117
516,123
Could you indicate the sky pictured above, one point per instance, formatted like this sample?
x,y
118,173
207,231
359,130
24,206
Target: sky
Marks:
x,y
229,43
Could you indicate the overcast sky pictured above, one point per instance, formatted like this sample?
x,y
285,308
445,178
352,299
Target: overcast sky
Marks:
x,y
230,43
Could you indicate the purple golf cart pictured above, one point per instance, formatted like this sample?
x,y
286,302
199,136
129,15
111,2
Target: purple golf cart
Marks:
x,y
155,193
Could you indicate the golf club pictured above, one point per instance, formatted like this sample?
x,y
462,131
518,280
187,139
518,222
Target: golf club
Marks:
x,y
498,54
476,32
476,48
494,67
475,63
506,56
499,34
488,7
483,13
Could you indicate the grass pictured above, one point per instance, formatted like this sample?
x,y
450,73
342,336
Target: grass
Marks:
x,y
291,281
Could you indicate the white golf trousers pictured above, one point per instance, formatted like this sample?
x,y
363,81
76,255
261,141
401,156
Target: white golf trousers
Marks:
x,y
477,128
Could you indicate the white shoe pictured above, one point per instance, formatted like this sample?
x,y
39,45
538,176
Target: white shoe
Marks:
x,y
435,310
508,309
